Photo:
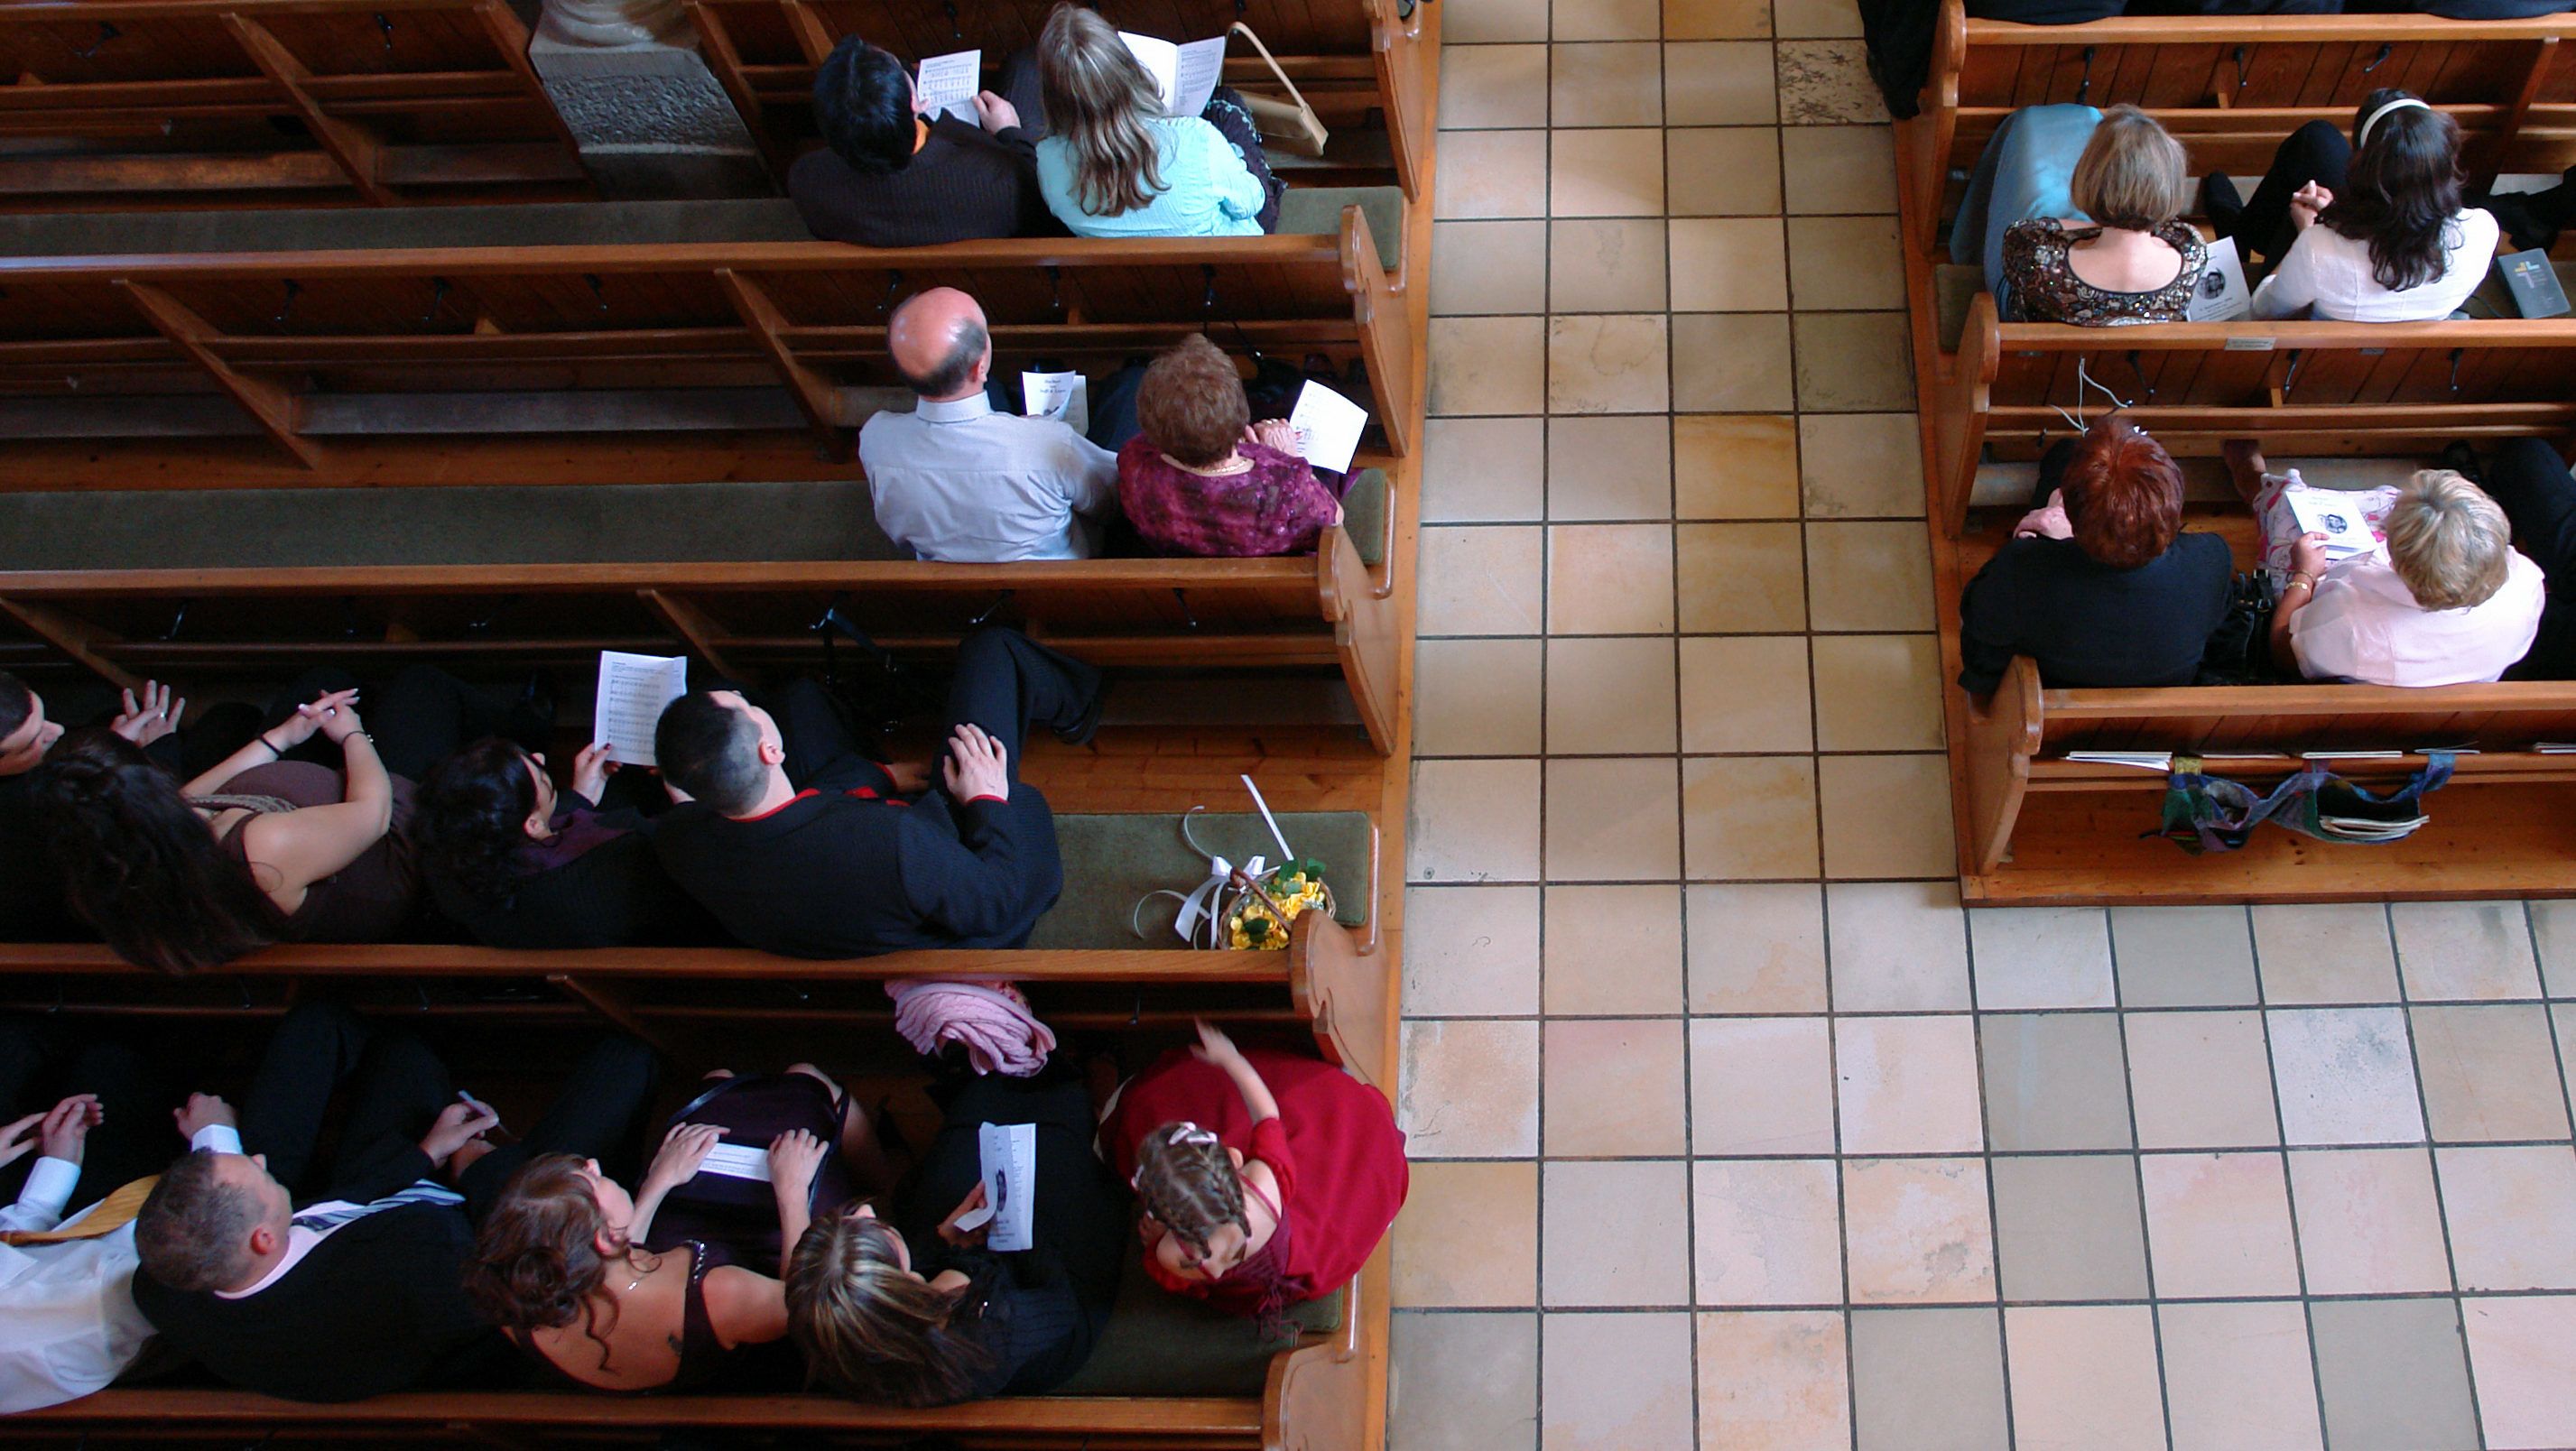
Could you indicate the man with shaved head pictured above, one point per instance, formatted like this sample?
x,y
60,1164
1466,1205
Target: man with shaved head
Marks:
x,y
953,480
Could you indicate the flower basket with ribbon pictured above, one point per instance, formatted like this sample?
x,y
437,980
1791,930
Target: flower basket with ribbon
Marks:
x,y
1247,906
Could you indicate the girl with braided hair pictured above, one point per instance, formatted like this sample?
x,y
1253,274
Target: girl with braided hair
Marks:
x,y
1264,1178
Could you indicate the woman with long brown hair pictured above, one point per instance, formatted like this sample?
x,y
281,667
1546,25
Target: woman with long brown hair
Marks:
x,y
1114,164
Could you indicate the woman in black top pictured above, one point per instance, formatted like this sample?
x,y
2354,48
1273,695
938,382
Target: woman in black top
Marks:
x,y
918,1313
2099,585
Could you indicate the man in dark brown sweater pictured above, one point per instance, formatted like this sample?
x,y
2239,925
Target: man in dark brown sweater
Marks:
x,y
891,177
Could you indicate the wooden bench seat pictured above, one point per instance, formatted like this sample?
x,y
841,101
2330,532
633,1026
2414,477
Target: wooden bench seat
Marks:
x,y
246,101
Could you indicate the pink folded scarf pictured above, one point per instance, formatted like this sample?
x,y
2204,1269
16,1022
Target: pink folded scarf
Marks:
x,y
989,1019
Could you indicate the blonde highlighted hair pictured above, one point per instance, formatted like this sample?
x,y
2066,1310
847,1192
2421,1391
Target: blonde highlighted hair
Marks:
x,y
2448,541
2133,174
1098,98
872,1331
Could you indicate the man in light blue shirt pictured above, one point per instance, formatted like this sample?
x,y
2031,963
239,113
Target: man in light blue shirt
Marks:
x,y
955,481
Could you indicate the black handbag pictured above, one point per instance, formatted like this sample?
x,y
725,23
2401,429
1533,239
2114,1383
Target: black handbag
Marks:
x,y
2239,651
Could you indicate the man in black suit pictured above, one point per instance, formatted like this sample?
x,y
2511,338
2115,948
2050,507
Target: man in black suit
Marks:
x,y
800,845
358,1292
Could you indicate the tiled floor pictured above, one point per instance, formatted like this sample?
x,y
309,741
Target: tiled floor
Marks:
x,y
1733,1129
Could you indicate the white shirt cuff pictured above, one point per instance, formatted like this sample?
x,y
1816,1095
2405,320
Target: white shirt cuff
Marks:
x,y
217,1138
49,1186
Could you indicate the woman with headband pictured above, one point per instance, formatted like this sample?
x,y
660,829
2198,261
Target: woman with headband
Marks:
x,y
2367,231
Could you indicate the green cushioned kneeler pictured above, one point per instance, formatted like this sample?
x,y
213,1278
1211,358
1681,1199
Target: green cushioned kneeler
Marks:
x,y
1110,861
326,229
1317,210
1364,518
1162,1344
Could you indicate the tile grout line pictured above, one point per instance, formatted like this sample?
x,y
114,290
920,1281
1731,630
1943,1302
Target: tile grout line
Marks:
x,y
2263,1011
2441,1200
2138,1169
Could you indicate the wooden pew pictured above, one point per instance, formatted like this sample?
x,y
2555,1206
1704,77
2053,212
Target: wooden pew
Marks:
x,y
2232,87
587,331
1353,60
182,102
2041,827
2312,387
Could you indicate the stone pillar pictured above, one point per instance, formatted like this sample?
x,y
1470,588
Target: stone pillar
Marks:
x,y
650,117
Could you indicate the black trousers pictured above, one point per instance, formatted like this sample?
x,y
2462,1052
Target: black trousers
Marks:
x,y
419,718
2526,477
43,1062
395,1086
2317,152
1004,682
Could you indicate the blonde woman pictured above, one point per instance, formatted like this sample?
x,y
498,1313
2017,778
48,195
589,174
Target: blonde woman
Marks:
x,y
1114,165
2077,218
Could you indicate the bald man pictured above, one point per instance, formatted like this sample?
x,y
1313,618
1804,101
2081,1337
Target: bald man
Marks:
x,y
955,481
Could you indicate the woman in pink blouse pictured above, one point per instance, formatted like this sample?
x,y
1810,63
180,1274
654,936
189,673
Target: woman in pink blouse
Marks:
x,y
1203,479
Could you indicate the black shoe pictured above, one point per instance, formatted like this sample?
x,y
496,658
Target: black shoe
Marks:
x,y
532,716
2519,213
1088,723
2222,203
2461,459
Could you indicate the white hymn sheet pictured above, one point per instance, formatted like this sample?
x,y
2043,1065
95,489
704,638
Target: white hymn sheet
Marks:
x,y
633,689
949,82
1328,427
2334,515
2220,295
1185,74
1058,395
737,1161
1010,1153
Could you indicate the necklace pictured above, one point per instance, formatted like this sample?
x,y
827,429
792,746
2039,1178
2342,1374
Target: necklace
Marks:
x,y
640,1274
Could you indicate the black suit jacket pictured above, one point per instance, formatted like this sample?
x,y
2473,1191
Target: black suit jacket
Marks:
x,y
961,186
613,895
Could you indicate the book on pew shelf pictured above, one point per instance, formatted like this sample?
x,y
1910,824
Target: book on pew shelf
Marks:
x,y
1057,395
2352,755
2534,284
2554,748
2320,511
2220,295
1328,427
2143,760
948,83
633,690
1185,74
1010,1157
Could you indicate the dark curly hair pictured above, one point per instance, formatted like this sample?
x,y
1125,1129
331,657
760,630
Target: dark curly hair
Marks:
x,y
863,106
471,817
870,1331
139,864
2401,191
1191,404
536,1263
1188,1183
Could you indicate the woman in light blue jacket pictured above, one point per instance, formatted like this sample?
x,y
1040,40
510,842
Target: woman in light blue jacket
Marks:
x,y
1113,165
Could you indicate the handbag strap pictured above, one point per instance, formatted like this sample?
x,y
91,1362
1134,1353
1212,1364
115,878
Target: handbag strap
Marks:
x,y
1247,32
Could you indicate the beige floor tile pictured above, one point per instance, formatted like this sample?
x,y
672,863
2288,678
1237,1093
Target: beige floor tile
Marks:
x,y
2238,1377
2325,953
1616,1383
1717,19
2053,1082
2392,1374
1887,816
1470,1089
1745,693
1468,1236
2507,1208
1734,363
1494,22
1773,1381
1869,576
1464,1382
2490,1073
2553,926
1878,692
1928,1380
2370,1222
1475,821
1471,952
1614,1232
1609,696
1756,947
1492,174
1476,698
1614,1088
1796,19
1769,1232
1617,83
1854,362
1601,173
1610,579
1916,1231
1488,268
1728,264
1824,82
1845,263
1608,20
2042,957
2183,957
1719,83
2201,1081
1723,171
1735,466
1614,363
2456,951
2345,1076
1492,87
1840,168
2084,1376
1742,578
1615,467
2524,1352
1861,466
1762,1086
1484,470
1749,817
2219,1224
1898,947
2068,1227
1489,580
1487,365
1614,949
1612,821
1908,1085
1605,264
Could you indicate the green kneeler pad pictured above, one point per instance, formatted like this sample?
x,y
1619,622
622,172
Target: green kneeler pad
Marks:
x,y
1364,519
1317,211
1162,1344
1111,861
